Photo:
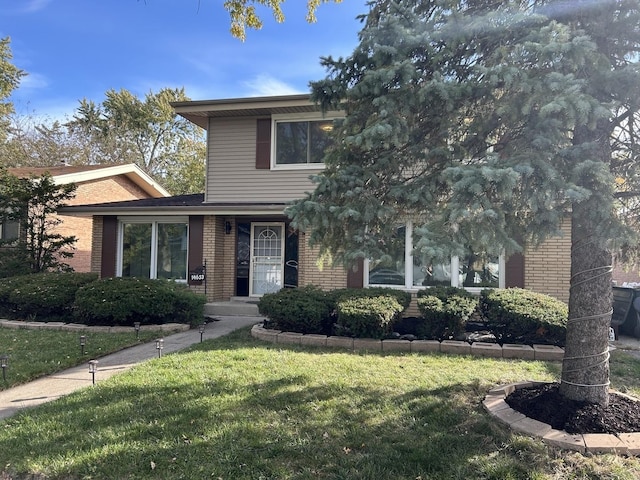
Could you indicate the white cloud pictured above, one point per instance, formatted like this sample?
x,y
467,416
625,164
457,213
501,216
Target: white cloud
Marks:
x,y
33,81
26,7
266,85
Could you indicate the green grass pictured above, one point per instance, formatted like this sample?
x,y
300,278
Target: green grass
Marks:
x,y
236,408
34,353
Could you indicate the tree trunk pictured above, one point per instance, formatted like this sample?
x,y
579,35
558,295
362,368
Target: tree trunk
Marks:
x,y
585,369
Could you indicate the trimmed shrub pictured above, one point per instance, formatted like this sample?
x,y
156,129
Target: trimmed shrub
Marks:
x,y
304,310
444,312
122,301
42,296
367,316
402,297
516,315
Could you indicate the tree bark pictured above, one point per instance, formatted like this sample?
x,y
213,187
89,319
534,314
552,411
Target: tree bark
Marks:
x,y
585,368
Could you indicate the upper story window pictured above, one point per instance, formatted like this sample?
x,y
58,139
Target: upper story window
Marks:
x,y
300,142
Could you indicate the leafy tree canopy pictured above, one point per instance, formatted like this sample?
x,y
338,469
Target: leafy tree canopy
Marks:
x,y
244,15
33,203
10,77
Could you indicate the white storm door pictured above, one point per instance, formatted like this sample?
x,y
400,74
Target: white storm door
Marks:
x,y
267,258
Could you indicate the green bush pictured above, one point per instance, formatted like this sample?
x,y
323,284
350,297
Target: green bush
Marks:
x,y
303,310
122,301
41,296
402,297
516,315
367,316
444,312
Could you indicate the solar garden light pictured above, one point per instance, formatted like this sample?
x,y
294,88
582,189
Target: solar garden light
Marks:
x,y
4,363
136,326
83,342
201,329
93,368
159,346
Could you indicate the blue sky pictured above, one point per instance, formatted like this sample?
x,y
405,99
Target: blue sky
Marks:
x,y
75,49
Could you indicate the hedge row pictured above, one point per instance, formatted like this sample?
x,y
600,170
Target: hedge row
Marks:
x,y
350,312
83,298
511,315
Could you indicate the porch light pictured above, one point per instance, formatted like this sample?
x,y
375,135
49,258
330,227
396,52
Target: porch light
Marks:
x,y
83,343
4,363
136,326
93,368
159,346
201,328
227,227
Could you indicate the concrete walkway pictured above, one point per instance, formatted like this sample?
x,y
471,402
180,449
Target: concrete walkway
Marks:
x,y
49,388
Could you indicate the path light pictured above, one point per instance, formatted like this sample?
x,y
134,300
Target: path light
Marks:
x,y
201,329
83,342
93,368
159,346
136,326
4,363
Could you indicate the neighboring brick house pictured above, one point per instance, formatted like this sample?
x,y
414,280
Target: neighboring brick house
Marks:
x,y
261,152
95,184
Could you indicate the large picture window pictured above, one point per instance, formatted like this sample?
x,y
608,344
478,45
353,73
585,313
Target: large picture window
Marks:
x,y
301,142
400,268
153,249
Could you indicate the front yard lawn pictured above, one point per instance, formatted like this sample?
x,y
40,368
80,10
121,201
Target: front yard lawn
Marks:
x,y
237,408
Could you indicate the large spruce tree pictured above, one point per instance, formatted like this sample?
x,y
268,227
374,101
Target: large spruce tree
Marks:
x,y
487,123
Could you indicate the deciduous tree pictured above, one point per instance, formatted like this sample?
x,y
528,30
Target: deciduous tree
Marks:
x,y
487,123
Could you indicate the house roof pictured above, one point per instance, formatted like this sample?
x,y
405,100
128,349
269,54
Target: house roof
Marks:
x,y
200,111
64,174
192,204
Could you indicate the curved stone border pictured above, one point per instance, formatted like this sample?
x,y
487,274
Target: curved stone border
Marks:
x,y
495,404
17,324
481,349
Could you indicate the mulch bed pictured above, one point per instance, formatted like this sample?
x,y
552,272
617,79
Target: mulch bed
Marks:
x,y
545,404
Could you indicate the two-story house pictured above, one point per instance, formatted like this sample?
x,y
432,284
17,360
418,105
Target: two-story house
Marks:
x,y
260,155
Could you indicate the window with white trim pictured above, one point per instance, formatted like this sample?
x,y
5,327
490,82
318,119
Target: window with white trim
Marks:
x,y
153,248
300,142
400,268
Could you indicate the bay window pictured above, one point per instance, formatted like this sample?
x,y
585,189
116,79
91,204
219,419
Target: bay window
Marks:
x,y
399,267
153,248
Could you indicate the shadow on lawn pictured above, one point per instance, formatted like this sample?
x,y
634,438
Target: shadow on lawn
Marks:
x,y
268,429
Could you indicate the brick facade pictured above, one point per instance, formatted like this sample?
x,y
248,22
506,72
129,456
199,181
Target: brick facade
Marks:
x,y
110,189
309,273
548,268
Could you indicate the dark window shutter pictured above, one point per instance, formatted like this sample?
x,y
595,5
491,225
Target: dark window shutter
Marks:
x,y
355,275
109,246
196,237
263,144
514,271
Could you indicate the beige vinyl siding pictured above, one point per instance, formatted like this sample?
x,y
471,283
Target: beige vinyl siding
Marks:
x,y
231,168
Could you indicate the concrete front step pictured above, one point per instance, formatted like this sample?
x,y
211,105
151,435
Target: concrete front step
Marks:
x,y
239,308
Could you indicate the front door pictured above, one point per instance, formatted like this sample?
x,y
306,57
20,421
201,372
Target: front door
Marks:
x,y
267,258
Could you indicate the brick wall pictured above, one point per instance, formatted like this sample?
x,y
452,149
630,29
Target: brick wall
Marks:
x,y
96,245
326,277
112,189
547,268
